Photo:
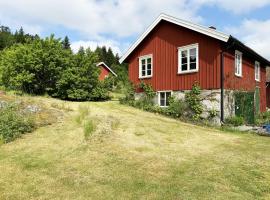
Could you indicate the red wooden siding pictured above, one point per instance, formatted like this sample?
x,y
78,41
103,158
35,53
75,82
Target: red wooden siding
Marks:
x,y
104,72
247,81
163,43
268,95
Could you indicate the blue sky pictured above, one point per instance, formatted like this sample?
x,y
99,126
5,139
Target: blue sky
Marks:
x,y
118,23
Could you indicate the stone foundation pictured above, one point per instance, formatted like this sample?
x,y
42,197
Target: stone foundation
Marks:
x,y
210,101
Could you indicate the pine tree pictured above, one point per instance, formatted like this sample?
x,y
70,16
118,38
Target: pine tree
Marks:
x,y
66,43
20,36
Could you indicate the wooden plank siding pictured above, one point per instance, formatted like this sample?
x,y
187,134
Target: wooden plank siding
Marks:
x,y
104,72
163,43
247,81
268,95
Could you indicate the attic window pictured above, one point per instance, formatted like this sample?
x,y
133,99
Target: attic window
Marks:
x,y
238,63
257,71
145,66
188,59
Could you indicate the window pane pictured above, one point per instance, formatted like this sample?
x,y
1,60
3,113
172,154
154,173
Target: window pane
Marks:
x,y
143,72
149,66
162,98
192,66
192,52
192,58
148,60
184,60
184,67
184,53
149,72
143,67
143,61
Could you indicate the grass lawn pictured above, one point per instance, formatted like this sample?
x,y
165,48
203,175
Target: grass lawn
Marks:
x,y
109,151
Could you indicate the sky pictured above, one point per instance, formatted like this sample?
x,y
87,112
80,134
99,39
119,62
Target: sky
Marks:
x,y
118,23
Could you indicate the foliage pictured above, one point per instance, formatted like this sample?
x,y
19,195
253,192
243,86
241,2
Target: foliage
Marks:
x,y
213,113
78,81
66,43
263,118
100,92
235,121
14,123
176,107
129,92
194,101
35,67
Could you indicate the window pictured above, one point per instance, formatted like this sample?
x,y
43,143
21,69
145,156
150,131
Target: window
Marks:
x,y
145,66
257,71
238,63
188,59
163,98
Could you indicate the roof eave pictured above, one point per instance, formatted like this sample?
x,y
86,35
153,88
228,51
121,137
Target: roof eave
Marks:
x,y
195,27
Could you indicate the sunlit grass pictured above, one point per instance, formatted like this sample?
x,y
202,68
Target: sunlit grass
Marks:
x,y
131,154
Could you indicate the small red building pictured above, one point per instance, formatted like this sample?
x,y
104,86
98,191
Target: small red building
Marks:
x,y
105,71
173,54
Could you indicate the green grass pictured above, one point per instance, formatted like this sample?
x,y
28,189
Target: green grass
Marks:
x,y
132,155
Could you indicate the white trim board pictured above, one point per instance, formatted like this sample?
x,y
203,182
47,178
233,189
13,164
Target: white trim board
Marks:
x,y
102,63
195,27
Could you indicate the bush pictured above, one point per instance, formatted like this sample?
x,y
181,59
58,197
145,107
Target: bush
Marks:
x,y
176,108
100,92
263,118
194,101
129,92
14,123
235,121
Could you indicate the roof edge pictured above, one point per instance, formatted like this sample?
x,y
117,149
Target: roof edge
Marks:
x,y
103,63
192,26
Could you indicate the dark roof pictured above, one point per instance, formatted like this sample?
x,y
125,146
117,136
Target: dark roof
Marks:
x,y
235,43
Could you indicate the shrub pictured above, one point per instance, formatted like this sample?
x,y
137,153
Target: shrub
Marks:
x,y
176,108
263,118
235,121
100,92
129,92
194,101
14,123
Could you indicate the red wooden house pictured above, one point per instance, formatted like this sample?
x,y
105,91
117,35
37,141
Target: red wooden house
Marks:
x,y
105,71
173,54
268,87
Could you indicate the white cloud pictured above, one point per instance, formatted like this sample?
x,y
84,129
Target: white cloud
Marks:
x,y
255,34
95,17
93,45
236,6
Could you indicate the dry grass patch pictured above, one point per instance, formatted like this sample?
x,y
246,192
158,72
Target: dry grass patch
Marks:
x,y
131,154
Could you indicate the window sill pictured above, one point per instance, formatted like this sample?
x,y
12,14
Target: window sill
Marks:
x,y
239,76
257,80
146,77
188,72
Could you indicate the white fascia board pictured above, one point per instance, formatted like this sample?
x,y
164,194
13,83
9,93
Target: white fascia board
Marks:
x,y
102,63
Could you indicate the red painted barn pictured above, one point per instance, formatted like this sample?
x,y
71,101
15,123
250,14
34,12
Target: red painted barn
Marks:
x,y
173,54
105,71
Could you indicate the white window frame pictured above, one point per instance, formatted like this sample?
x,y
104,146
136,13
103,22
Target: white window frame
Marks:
x,y
165,91
188,48
240,54
145,57
257,76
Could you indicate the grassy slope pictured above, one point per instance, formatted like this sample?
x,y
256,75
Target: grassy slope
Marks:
x,y
133,155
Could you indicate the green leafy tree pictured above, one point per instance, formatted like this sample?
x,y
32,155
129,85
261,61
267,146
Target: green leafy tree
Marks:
x,y
6,37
